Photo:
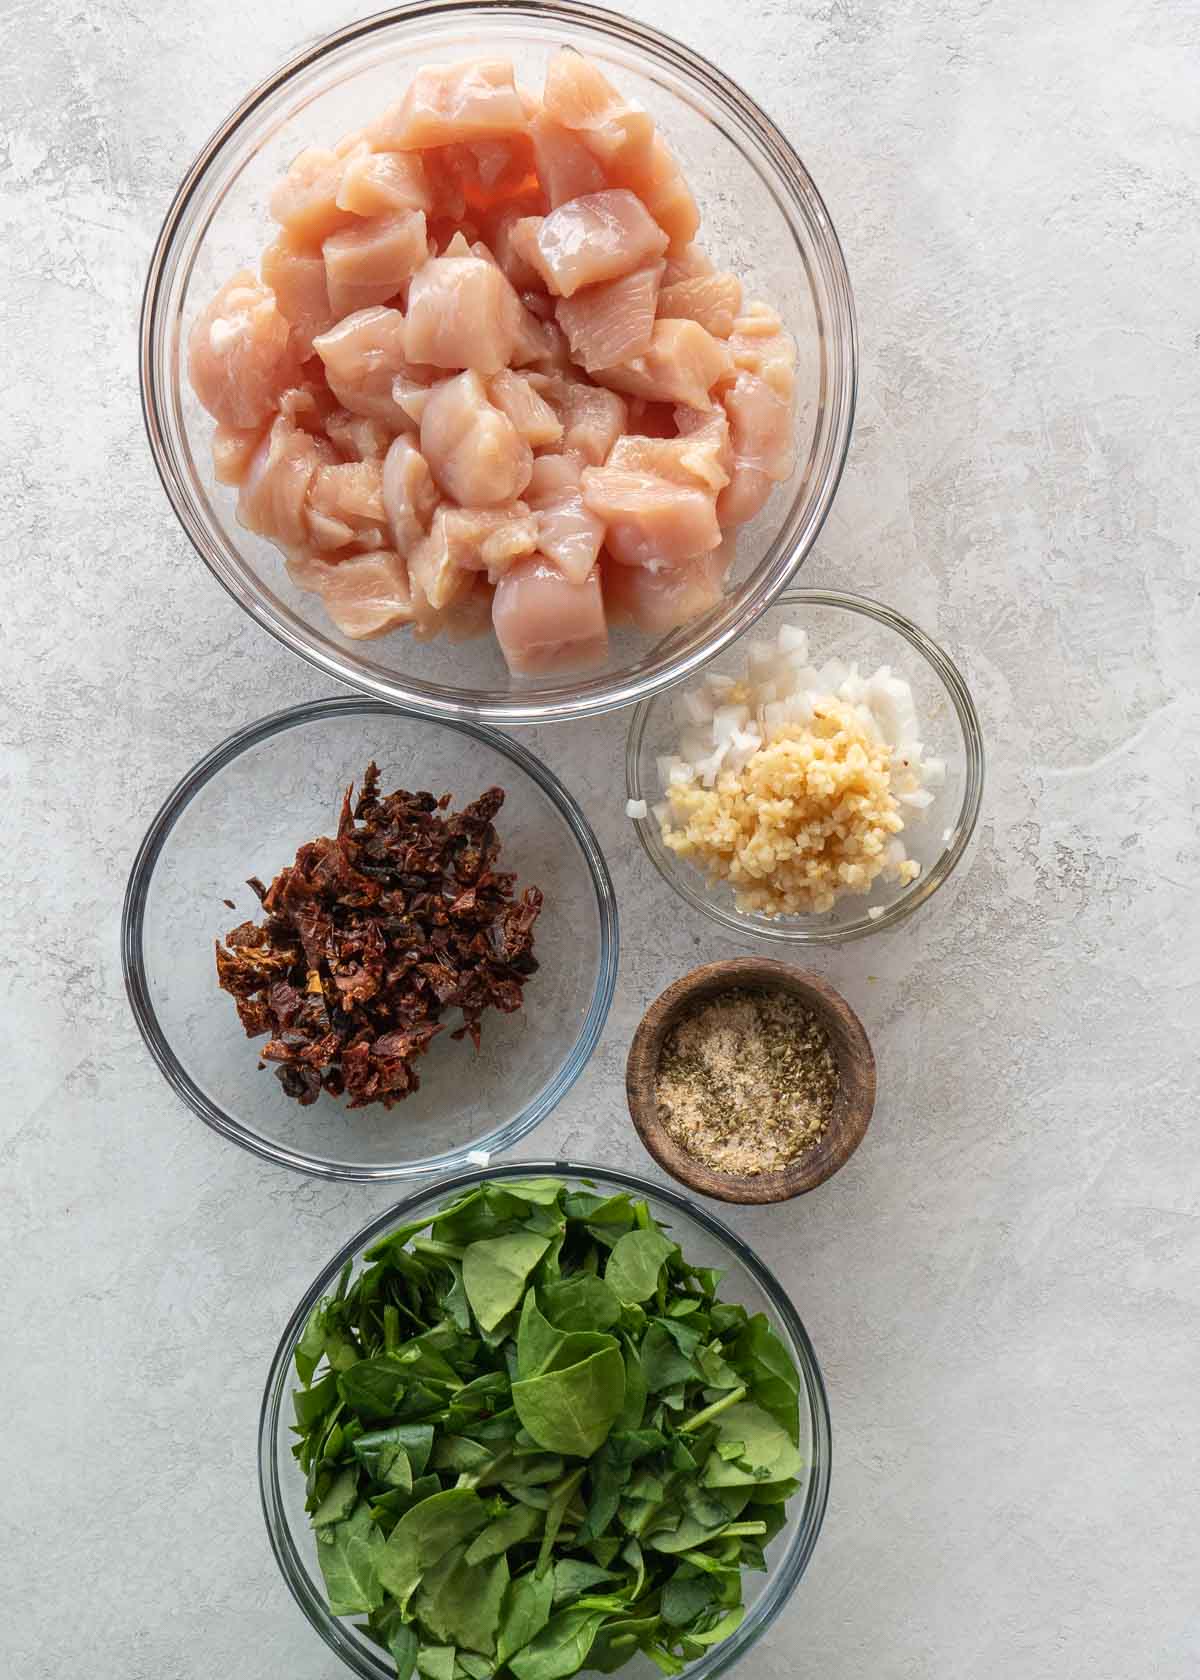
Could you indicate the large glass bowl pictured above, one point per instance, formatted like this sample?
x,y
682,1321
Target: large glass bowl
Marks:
x,y
763,217
706,1241
850,628
243,811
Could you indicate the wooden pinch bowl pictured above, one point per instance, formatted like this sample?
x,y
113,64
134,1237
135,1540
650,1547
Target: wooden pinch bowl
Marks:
x,y
852,1105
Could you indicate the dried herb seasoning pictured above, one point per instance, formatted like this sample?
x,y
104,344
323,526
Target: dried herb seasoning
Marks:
x,y
370,937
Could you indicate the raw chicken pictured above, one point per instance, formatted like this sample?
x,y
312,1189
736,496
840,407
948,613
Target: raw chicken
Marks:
x,y
712,299
701,457
612,322
658,181
368,594
692,263
345,506
233,450
545,623
413,388
381,183
663,600
239,354
649,521
616,131
305,202
480,177
450,102
514,394
362,356
593,419
356,437
297,277
474,451
597,237
512,237
568,532
682,365
760,424
565,166
462,313
372,261
466,540
409,494
759,345
273,500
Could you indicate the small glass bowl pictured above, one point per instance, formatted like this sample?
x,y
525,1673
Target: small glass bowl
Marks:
x,y
706,1241
243,811
846,627
763,217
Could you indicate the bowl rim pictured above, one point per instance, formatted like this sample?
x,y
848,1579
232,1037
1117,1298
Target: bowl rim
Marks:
x,y
836,394
780,1583
139,993
678,877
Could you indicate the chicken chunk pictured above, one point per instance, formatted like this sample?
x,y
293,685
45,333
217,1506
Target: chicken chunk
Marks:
x,y
356,437
296,275
514,394
240,355
410,496
445,103
567,531
384,183
545,623
658,181
371,262
462,313
665,599
700,456
593,418
579,97
233,450
648,520
474,452
759,345
362,356
612,322
597,237
512,234
760,424
368,594
466,540
273,501
345,506
682,365
565,166
711,299
305,202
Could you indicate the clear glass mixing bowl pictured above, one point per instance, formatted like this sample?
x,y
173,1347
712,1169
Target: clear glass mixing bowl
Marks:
x,y
763,218
705,1241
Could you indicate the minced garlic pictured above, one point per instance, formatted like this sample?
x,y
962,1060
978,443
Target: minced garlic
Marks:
x,y
808,817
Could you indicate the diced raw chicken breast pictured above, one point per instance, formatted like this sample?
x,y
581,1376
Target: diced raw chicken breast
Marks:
x,y
362,356
274,494
701,456
759,345
682,365
648,520
514,394
474,451
445,103
305,202
297,277
413,388
663,600
711,299
568,532
466,540
760,424
692,263
539,344
462,313
356,437
510,241
565,166
652,419
345,505
597,237
658,181
372,261
239,354
545,623
311,403
479,177
467,616
409,494
368,594
233,450
381,183
612,322
578,96
593,418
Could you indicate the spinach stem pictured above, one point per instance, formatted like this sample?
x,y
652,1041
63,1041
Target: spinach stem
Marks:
x,y
436,1250
715,1410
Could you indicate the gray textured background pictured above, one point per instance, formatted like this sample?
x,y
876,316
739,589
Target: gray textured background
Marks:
x,y
1003,1285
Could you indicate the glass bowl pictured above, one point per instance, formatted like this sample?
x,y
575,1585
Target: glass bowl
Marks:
x,y
243,811
705,1241
846,627
763,217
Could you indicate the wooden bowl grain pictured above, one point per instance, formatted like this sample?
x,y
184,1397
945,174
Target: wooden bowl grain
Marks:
x,y
852,1106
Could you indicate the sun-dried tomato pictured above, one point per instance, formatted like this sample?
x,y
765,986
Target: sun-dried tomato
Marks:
x,y
368,938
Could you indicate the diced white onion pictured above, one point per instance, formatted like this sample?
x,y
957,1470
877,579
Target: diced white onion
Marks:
x,y
635,808
920,799
667,762
681,775
662,813
726,719
793,638
875,912
934,770
695,706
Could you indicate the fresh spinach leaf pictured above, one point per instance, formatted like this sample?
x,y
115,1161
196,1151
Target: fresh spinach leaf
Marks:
x,y
635,1263
571,1411
524,1614
581,1302
494,1274
349,1554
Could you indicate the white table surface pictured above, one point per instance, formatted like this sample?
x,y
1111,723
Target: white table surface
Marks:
x,y
1003,1285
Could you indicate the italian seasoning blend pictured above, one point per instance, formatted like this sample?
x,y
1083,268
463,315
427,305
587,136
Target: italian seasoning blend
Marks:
x,y
746,1081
